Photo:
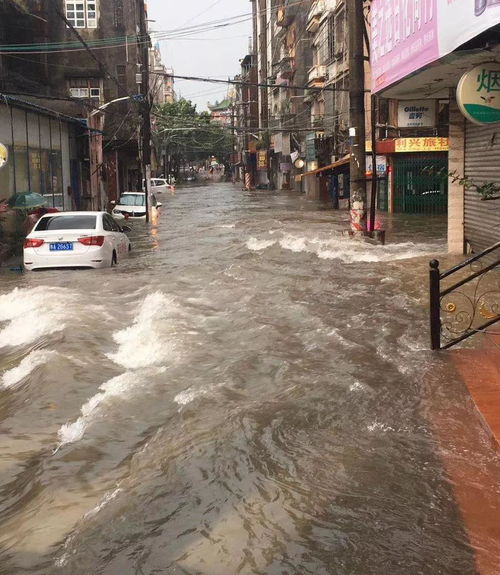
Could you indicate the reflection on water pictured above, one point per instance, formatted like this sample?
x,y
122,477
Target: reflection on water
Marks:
x,y
248,393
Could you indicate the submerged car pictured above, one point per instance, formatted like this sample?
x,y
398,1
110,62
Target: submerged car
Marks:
x,y
133,205
160,185
75,240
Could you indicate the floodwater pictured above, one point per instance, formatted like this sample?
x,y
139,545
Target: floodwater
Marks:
x,y
250,393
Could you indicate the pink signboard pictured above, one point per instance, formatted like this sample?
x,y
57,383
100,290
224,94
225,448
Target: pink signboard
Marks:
x,y
407,35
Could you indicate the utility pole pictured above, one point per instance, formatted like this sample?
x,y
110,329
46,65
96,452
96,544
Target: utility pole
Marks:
x,y
357,130
146,109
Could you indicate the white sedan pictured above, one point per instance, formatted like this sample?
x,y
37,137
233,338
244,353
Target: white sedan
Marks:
x,y
75,240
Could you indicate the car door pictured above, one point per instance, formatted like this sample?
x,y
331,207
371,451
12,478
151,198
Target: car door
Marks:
x,y
121,240
110,237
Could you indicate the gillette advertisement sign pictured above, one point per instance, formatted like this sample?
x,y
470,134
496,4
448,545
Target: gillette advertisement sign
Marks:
x,y
407,35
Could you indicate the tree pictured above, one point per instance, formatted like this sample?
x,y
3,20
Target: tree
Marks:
x,y
185,136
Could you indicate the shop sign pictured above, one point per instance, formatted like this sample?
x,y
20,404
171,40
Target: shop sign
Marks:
x,y
4,155
262,160
478,94
381,165
417,114
421,145
311,147
407,35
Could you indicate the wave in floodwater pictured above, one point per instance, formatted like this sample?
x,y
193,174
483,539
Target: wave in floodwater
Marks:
x,y
144,348
28,365
346,249
151,339
120,388
35,313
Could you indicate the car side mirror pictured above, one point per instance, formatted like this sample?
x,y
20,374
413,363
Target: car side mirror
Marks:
x,y
112,202
126,229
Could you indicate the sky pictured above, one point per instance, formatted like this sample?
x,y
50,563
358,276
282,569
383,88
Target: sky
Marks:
x,y
206,53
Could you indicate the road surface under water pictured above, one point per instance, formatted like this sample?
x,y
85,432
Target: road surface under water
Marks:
x,y
249,393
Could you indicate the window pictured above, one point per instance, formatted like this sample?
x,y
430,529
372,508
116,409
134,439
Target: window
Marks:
x,y
82,14
87,88
77,222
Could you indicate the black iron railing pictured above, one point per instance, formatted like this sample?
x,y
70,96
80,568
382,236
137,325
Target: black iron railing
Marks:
x,y
471,304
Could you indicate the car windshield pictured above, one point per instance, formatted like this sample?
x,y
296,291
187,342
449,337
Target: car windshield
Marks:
x,y
73,222
132,200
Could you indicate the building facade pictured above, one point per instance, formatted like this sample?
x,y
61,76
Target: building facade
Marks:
x,y
436,144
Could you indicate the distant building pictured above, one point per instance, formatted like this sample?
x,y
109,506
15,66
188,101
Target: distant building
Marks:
x,y
222,112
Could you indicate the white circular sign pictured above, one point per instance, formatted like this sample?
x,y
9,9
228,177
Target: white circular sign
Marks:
x,y
478,94
4,155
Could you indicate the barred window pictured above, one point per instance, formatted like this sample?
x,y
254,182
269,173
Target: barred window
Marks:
x,y
82,14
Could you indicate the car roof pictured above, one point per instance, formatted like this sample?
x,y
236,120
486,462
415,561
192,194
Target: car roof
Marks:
x,y
59,214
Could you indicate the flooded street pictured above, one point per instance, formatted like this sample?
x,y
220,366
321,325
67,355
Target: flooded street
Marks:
x,y
250,392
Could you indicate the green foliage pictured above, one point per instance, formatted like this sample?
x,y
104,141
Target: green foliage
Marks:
x,y
487,190
185,136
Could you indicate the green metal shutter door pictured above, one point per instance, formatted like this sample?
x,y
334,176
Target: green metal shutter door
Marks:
x,y
421,184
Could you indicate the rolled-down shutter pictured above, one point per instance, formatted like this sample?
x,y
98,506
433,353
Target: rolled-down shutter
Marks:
x,y
482,164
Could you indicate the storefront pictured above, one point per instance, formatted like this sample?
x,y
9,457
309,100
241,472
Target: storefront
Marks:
x,y
42,151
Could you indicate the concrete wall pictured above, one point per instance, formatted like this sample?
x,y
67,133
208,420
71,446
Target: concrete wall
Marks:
x,y
456,192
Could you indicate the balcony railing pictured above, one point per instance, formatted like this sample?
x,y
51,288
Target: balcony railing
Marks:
x,y
317,74
315,15
471,304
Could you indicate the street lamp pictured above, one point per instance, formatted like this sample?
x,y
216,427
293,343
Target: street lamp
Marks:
x,y
95,126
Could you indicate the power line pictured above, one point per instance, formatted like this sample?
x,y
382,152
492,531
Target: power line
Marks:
x,y
258,84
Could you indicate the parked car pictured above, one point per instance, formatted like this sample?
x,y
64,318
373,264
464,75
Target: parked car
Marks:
x,y
75,240
132,205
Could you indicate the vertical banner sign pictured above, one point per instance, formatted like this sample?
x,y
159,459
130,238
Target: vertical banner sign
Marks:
x,y
408,35
262,160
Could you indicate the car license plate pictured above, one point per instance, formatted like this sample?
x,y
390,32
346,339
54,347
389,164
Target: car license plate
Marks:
x,y
61,247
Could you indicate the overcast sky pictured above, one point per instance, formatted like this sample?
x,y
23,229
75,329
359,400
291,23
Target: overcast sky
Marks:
x,y
215,53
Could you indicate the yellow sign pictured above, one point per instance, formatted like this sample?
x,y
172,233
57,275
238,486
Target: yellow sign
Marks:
x,y
262,160
4,155
422,145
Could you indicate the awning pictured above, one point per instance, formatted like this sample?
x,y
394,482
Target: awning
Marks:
x,y
345,160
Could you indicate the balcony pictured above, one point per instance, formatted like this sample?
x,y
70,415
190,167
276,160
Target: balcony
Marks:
x,y
315,16
284,15
317,76
286,67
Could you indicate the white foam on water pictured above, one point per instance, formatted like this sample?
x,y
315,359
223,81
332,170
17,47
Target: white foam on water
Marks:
x,y
120,387
295,244
378,426
256,245
34,313
357,386
348,250
189,395
108,497
27,366
150,340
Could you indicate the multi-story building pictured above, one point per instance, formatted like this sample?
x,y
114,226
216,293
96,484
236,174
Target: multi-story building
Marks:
x,y
283,57
247,120
45,148
161,78
97,78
